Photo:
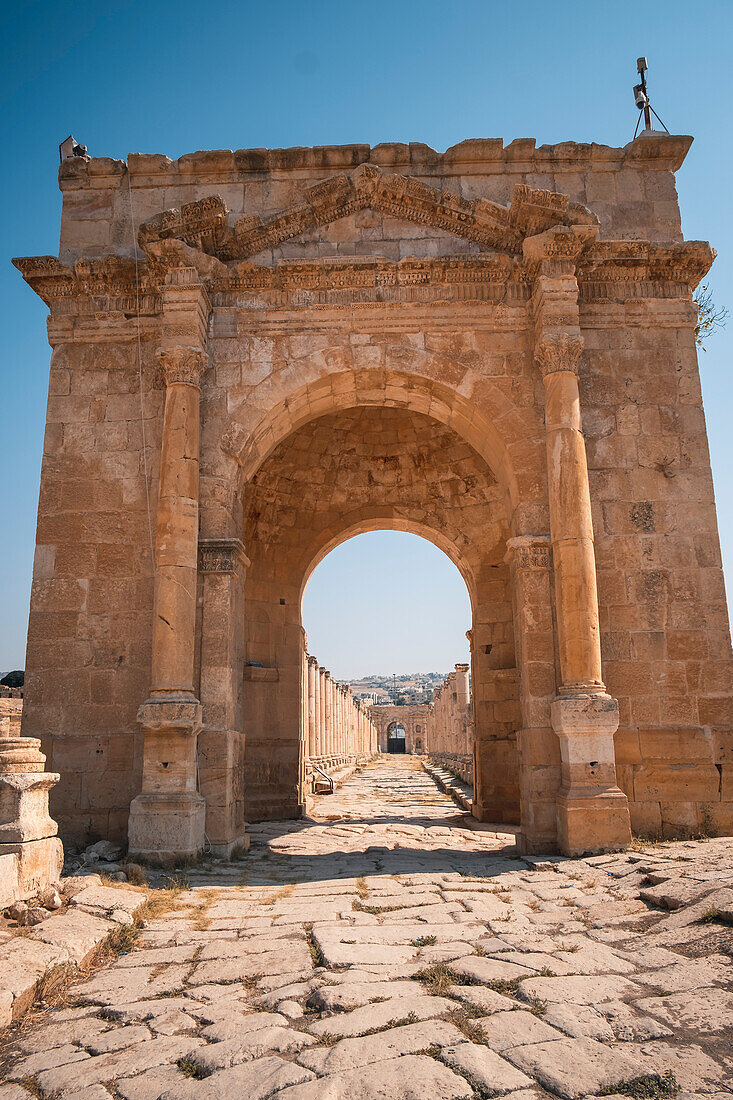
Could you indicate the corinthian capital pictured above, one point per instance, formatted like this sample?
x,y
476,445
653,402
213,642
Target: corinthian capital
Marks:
x,y
558,352
183,364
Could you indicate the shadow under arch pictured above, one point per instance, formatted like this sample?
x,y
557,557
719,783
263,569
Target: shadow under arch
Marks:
x,y
348,468
260,426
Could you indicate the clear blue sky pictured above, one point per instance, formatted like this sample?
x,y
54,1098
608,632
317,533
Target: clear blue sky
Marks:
x,y
175,77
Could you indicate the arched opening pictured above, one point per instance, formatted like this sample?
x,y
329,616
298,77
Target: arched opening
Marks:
x,y
396,738
349,471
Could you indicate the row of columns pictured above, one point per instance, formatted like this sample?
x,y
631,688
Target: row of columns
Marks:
x,y
449,723
339,728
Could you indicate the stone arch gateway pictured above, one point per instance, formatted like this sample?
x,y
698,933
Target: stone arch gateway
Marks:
x,y
493,347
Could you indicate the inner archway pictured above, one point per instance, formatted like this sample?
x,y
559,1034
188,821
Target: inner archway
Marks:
x,y
357,470
396,738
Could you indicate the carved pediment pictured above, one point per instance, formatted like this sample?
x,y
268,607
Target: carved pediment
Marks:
x,y
205,224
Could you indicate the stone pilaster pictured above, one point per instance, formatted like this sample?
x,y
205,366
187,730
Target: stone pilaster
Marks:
x,y
167,819
222,569
592,812
530,565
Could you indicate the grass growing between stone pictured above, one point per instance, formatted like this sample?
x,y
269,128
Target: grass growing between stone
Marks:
x,y
439,977
189,1067
315,951
650,1086
465,1018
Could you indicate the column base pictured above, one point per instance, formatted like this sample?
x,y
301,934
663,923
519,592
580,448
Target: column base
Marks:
x,y
592,812
168,826
231,848
593,822
26,869
503,811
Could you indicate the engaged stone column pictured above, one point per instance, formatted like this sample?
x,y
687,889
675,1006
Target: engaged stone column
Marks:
x,y
312,703
593,813
167,818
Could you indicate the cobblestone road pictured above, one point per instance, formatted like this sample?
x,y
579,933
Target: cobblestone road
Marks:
x,y
391,947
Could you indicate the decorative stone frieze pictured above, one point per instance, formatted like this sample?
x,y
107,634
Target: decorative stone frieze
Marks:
x,y
529,552
222,555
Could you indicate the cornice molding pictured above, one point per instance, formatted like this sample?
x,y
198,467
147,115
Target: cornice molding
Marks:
x,y
204,224
613,269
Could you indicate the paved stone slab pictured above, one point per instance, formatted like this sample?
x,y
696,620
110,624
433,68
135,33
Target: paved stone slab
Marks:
x,y
103,900
359,1020
350,1053
106,1067
75,932
117,1038
486,1068
339,998
59,1056
482,998
250,1081
410,1078
480,969
579,1021
337,953
581,990
573,1068
246,1045
502,1030
694,1070
707,1010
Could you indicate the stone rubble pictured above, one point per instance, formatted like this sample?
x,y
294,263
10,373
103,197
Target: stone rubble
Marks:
x,y
391,947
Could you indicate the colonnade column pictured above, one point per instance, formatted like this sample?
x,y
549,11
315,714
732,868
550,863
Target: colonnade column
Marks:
x,y
312,706
336,726
592,812
167,818
463,698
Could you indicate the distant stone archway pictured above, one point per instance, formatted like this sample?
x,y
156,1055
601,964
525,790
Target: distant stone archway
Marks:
x,y
396,738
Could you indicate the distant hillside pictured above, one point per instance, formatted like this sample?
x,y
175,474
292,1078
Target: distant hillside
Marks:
x,y
411,688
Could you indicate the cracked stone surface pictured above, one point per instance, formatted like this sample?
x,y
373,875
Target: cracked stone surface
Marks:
x,y
391,947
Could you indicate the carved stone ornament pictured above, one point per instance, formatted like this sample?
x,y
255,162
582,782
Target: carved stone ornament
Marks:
x,y
182,364
529,552
559,352
221,555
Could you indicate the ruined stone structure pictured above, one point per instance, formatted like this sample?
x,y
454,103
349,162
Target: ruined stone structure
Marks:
x,y
31,854
412,717
451,731
258,354
336,730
